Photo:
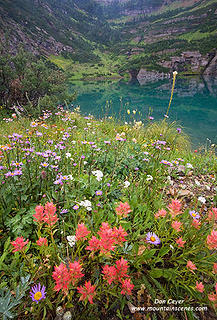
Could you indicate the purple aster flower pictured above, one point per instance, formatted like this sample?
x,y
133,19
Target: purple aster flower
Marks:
x,y
17,172
74,164
8,174
37,293
58,181
44,165
82,157
63,211
152,238
108,185
98,192
76,207
136,169
179,130
194,214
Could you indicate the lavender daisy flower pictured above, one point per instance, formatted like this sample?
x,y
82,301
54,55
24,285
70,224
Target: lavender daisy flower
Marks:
x,y
194,214
152,238
37,293
99,193
76,207
63,211
179,130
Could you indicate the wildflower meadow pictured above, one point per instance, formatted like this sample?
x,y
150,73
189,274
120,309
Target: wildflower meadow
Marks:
x,y
104,220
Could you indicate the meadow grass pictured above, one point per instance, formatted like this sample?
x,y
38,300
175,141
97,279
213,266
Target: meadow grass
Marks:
x,y
102,215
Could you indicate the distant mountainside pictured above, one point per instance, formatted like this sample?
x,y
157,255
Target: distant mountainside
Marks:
x,y
53,26
142,37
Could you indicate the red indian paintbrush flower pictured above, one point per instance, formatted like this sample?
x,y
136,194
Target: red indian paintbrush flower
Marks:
x,y
196,224
62,277
212,214
110,273
19,244
87,292
212,240
199,287
213,296
41,242
107,241
119,235
175,208
127,287
39,214
214,268
81,232
160,213
191,266
50,216
75,271
94,244
122,268
123,209
180,242
176,225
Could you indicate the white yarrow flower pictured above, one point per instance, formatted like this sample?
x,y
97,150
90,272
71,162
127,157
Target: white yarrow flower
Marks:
x,y
71,240
189,166
202,200
87,204
68,155
126,184
98,174
149,178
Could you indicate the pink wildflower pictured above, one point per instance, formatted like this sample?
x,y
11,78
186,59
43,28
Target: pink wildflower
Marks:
x,y
81,232
50,216
191,266
160,213
212,214
175,208
180,242
41,242
62,277
196,224
213,296
110,273
119,235
215,268
94,244
122,268
87,292
127,287
107,240
19,244
39,214
199,287
212,240
176,225
123,209
75,271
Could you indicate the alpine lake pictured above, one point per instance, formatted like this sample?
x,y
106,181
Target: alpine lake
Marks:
x,y
194,104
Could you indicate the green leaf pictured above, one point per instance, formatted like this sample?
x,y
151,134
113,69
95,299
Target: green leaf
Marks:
x,y
156,273
163,251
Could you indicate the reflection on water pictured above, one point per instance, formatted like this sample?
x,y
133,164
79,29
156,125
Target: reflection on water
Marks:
x,y
194,104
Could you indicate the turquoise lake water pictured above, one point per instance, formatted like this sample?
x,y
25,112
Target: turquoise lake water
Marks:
x,y
194,104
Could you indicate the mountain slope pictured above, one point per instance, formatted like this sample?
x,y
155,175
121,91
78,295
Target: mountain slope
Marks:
x,y
52,26
111,37
180,36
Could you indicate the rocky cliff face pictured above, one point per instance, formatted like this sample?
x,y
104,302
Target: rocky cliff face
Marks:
x,y
51,26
